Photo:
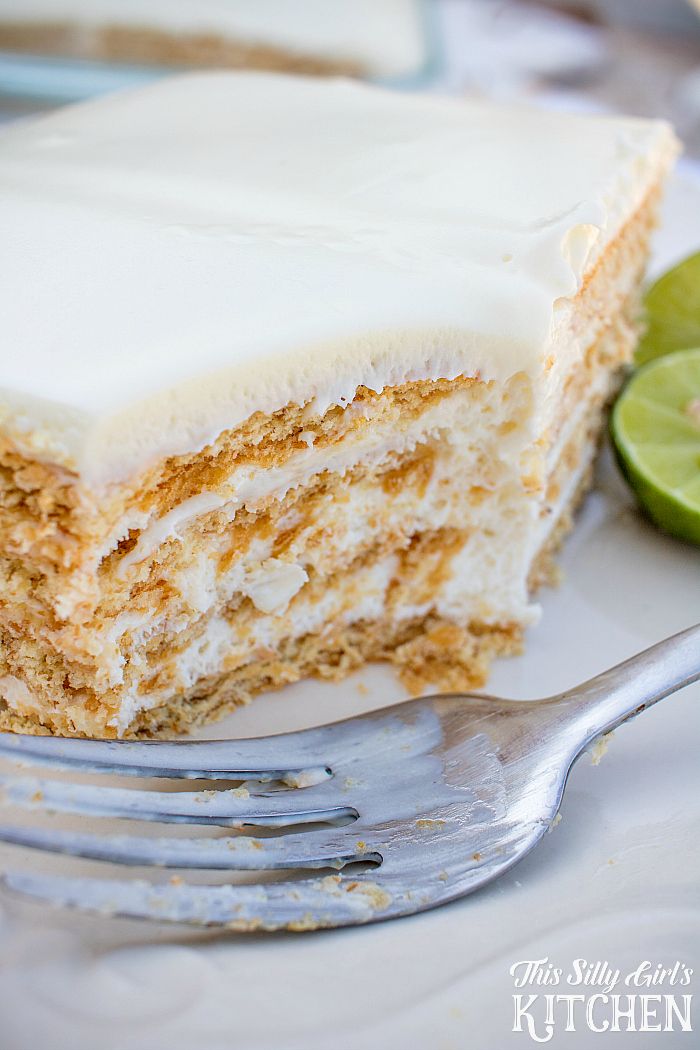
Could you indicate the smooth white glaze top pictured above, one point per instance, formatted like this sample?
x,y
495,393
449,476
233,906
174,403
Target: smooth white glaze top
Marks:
x,y
385,36
179,256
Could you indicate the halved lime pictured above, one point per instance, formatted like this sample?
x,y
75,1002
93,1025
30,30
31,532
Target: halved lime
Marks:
x,y
672,307
656,430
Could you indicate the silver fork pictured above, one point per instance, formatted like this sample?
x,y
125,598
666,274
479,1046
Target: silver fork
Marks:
x,y
442,794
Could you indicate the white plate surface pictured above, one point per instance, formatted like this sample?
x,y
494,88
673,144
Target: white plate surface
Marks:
x,y
617,880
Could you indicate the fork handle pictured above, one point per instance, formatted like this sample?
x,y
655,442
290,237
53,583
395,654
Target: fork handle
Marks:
x,y
626,690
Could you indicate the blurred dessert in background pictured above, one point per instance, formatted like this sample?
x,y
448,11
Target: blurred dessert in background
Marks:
x,y
383,38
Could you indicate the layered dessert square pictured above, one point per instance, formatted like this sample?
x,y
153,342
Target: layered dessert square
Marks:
x,y
380,38
297,375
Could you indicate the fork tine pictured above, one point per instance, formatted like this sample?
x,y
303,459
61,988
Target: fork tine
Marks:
x,y
292,757
242,853
227,808
300,759
305,905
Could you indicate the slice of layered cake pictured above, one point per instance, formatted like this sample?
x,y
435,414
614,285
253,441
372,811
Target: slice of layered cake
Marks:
x,y
297,374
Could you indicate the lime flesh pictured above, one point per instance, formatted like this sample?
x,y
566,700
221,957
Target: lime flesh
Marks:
x,y
656,430
672,307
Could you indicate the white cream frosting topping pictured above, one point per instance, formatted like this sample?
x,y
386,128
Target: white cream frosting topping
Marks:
x,y
387,37
179,256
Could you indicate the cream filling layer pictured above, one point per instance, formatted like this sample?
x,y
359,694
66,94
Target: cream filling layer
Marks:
x,y
487,581
250,487
508,529
329,543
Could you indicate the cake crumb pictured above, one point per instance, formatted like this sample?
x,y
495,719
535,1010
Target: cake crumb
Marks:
x,y
554,822
599,747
